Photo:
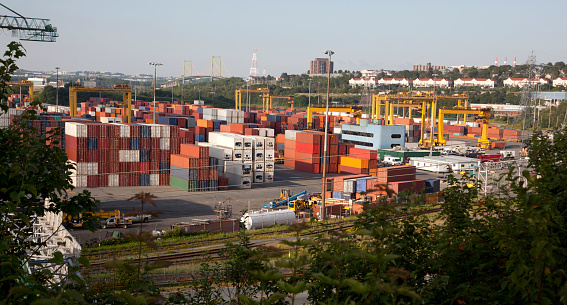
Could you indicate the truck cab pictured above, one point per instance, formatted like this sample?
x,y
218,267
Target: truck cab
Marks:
x,y
391,160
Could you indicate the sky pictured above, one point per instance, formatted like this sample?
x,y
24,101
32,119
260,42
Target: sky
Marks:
x,y
125,35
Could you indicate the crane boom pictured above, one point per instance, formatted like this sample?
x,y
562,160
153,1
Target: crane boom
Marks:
x,y
30,29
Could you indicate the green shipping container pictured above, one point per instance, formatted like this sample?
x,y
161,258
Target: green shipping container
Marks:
x,y
178,183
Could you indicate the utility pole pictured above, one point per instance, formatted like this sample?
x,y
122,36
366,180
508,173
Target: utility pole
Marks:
x,y
56,90
155,64
322,212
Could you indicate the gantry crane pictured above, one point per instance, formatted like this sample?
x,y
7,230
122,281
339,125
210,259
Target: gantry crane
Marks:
x,y
30,29
125,89
238,96
388,101
427,102
356,110
24,83
482,115
266,97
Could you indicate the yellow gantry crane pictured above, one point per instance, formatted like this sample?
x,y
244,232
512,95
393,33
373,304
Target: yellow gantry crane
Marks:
x,y
266,97
356,110
24,83
238,96
426,101
125,89
482,115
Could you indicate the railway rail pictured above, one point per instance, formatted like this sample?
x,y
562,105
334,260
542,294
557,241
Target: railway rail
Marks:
x,y
212,251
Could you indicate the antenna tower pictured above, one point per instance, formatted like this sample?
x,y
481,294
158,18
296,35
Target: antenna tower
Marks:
x,y
264,72
526,99
254,67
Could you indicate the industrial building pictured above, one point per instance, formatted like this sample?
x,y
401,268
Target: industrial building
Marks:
x,y
443,164
373,136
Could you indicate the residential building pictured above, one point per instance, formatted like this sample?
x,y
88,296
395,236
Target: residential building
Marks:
x,y
395,81
369,73
363,82
432,82
320,65
521,82
560,81
427,67
475,82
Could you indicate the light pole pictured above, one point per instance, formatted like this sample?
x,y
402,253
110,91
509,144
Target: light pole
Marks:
x,y
155,64
433,108
310,79
56,90
330,53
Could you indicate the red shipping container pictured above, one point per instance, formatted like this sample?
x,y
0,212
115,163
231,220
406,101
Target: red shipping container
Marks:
x,y
362,153
308,157
145,143
124,143
155,143
308,137
412,186
307,167
289,163
308,148
395,173
195,151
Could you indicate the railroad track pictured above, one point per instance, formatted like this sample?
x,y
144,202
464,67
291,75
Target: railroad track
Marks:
x,y
213,252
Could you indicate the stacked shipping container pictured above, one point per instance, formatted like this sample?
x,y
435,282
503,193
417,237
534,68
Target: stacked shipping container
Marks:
x,y
120,154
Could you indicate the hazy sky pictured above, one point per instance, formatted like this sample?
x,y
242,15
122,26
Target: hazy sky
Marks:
x,y
124,35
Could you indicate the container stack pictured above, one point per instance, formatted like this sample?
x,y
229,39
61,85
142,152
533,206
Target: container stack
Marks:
x,y
239,174
226,115
120,154
304,150
359,161
256,151
191,170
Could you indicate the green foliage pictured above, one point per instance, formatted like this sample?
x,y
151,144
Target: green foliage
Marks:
x,y
30,187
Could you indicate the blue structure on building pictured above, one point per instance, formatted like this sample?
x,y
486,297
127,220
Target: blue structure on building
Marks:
x,y
373,136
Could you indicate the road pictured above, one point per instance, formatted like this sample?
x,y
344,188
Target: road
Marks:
x,y
177,205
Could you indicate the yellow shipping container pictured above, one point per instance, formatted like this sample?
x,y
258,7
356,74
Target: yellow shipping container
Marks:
x,y
354,162
204,123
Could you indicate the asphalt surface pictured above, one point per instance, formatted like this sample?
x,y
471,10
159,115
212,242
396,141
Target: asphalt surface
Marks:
x,y
176,205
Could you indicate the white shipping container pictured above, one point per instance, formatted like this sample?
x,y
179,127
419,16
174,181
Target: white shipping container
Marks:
x,y
247,155
258,166
242,182
124,130
76,129
269,155
269,167
113,180
259,156
219,152
165,131
79,180
270,143
164,143
237,155
258,177
237,168
226,139
134,155
154,179
92,168
291,134
124,156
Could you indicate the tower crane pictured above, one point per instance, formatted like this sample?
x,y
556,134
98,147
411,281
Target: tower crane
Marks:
x,y
29,29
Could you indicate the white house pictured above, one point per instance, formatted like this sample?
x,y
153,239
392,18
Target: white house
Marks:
x,y
521,82
474,82
395,81
432,82
363,82
560,81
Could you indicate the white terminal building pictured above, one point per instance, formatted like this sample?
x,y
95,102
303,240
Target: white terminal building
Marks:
x,y
443,164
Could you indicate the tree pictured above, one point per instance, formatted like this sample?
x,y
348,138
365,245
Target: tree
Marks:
x,y
30,187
